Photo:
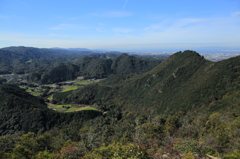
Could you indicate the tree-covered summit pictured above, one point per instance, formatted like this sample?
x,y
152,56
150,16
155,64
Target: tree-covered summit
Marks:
x,y
184,81
95,67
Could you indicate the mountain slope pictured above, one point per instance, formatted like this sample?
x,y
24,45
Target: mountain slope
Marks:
x,y
20,111
125,64
95,67
186,107
183,82
28,59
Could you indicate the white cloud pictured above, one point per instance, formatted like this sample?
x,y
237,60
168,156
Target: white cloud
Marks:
x,y
74,18
10,16
25,4
101,24
158,26
185,31
99,30
3,16
122,30
54,35
190,20
114,14
176,23
67,27
125,4
236,14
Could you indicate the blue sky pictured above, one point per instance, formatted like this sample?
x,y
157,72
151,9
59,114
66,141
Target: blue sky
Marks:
x,y
122,25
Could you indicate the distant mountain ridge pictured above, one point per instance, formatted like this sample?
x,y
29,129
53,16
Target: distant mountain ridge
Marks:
x,y
95,66
26,59
85,49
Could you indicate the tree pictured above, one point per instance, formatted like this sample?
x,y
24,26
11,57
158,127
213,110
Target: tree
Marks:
x,y
170,125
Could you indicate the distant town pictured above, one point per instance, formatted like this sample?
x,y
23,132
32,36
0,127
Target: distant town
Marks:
x,y
209,56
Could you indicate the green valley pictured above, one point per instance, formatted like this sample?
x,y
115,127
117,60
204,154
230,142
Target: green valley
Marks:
x,y
183,107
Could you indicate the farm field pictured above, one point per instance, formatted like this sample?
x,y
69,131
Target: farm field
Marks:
x,y
36,93
56,89
85,82
68,108
50,97
33,91
69,88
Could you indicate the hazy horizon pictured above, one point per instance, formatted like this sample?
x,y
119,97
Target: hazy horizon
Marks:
x,y
199,50
123,25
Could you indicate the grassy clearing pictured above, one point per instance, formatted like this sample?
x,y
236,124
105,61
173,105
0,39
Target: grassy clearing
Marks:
x,y
50,97
87,108
60,108
36,93
69,88
33,91
30,61
29,89
71,110
85,82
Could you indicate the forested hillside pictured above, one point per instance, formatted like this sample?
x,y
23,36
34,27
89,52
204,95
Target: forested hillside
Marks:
x,y
183,82
56,65
185,107
20,111
95,66
27,59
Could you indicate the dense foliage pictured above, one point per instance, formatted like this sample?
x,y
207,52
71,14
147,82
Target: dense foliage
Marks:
x,y
2,80
20,111
22,60
186,107
56,65
185,81
95,66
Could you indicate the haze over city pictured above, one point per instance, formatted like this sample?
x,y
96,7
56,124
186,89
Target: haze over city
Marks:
x,y
122,25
